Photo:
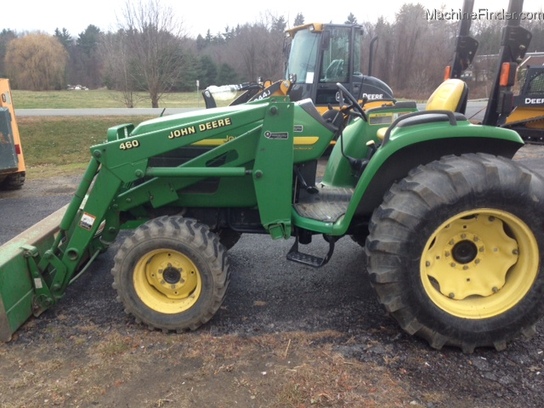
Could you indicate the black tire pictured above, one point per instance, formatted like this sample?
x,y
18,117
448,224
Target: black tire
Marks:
x,y
456,252
171,274
13,181
228,237
360,235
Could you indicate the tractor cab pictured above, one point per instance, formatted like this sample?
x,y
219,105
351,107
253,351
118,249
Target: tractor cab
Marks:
x,y
318,56
321,55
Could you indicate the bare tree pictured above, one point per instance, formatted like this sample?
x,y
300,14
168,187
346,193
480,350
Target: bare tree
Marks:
x,y
116,70
247,47
254,50
153,42
273,58
409,29
413,51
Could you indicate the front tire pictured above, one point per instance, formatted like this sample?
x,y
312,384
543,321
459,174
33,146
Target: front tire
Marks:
x,y
455,252
171,274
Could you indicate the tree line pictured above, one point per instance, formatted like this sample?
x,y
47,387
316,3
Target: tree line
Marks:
x,y
149,52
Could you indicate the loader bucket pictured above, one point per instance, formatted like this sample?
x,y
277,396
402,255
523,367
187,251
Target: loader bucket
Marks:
x,y
16,283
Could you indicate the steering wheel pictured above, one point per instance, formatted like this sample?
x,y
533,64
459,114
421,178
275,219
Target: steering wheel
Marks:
x,y
353,103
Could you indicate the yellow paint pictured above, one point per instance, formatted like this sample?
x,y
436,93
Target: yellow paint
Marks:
x,y
161,294
496,272
6,101
298,141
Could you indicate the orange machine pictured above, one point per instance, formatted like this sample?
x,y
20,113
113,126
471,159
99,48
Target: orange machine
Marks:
x,y
12,163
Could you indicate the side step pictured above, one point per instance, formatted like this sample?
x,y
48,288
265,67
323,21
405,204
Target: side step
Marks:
x,y
307,259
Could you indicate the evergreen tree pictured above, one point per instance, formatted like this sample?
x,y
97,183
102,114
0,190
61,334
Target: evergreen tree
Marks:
x,y
89,39
299,20
64,38
226,75
351,19
208,72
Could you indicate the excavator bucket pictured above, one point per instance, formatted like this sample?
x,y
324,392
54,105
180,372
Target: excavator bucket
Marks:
x,y
17,286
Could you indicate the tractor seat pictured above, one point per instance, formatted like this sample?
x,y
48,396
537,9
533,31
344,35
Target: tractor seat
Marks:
x,y
450,96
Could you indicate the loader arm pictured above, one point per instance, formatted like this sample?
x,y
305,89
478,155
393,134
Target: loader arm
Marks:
x,y
34,275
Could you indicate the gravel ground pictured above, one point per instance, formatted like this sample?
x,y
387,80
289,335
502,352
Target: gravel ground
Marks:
x,y
286,336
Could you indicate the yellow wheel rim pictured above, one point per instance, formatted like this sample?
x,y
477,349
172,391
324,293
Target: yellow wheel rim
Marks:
x,y
479,264
167,281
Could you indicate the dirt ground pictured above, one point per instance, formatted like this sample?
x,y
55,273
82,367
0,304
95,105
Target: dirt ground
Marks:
x,y
286,336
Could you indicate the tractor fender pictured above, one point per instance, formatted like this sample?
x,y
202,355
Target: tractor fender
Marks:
x,y
392,164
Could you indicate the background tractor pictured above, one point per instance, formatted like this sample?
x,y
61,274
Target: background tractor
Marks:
x,y
527,115
524,111
318,56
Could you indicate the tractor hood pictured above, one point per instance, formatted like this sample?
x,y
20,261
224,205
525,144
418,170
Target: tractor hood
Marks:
x,y
200,121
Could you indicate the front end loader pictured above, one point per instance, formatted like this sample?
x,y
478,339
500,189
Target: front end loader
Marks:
x,y
452,227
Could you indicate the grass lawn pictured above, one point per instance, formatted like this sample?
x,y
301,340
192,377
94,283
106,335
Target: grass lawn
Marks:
x,y
60,145
100,98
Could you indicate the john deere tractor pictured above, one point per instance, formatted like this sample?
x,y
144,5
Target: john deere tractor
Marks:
x,y
451,225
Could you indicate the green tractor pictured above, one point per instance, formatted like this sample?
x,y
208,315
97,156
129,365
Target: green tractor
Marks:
x,y
452,227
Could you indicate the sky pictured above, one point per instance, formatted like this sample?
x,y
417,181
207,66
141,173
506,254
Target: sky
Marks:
x,y
214,15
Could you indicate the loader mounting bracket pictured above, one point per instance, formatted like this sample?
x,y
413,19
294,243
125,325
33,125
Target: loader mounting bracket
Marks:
x,y
43,298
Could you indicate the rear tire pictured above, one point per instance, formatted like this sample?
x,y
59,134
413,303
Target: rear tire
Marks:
x,y
456,252
171,274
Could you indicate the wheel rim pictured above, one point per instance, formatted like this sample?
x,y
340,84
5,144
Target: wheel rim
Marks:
x,y
479,264
167,281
